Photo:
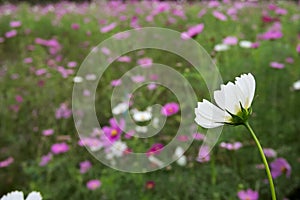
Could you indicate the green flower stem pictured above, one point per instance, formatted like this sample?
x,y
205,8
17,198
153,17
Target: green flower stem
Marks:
x,y
272,188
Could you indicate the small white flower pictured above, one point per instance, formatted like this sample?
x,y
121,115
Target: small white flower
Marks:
x,y
17,195
91,77
296,85
245,44
77,79
118,148
179,155
156,161
141,129
142,116
120,108
221,47
233,104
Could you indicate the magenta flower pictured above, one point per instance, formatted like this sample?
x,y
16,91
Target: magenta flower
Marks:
x,y
59,148
40,72
11,34
203,155
280,11
116,82
105,50
45,159
85,166
192,31
15,24
230,40
231,146
6,162
248,195
48,132
19,98
72,64
170,109
270,153
219,15
114,131
93,184
276,65
289,60
125,59
63,112
27,60
280,166
75,26
198,136
271,35
138,78
145,62
108,28
298,48
155,149
150,185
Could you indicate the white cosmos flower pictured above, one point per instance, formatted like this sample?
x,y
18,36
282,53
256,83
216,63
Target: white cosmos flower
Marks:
x,y
296,85
142,116
221,47
120,108
179,155
17,195
245,44
233,104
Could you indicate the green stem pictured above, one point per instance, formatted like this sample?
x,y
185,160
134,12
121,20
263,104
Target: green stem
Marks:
x,y
272,188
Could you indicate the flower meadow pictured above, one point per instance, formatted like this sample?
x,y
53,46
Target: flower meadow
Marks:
x,y
42,48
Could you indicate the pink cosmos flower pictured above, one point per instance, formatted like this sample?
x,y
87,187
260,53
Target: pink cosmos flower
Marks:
x,y
182,138
289,60
6,162
203,155
134,22
85,166
125,59
198,136
48,132
298,48
129,134
248,195
155,149
105,50
63,111
15,24
255,45
231,146
280,11
11,34
72,64
151,86
276,65
45,159
75,26
64,72
280,166
213,4
219,15
170,109
114,131
19,98
138,78
27,60
145,62
40,72
122,35
108,28
116,82
59,148
192,31
271,35
230,40
93,184
270,153
201,13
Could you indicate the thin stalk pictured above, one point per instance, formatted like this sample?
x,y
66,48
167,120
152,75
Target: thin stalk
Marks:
x,y
272,188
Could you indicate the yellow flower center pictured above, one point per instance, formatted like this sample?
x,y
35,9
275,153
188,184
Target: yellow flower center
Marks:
x,y
114,132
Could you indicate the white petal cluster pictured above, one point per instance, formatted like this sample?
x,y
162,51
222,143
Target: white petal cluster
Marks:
x,y
142,116
230,100
296,85
179,155
17,195
120,108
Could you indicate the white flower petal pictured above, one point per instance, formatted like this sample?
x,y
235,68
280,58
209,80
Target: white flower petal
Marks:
x,y
247,85
210,116
16,195
34,196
